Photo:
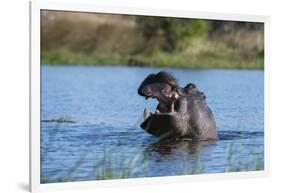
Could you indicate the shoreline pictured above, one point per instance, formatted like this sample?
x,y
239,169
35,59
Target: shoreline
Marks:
x,y
150,66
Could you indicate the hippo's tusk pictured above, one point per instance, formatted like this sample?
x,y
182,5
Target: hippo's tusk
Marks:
x,y
172,107
146,113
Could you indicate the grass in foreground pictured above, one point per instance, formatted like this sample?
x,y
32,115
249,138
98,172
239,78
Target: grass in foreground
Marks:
x,y
107,169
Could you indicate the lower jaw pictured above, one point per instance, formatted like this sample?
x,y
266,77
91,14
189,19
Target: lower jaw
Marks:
x,y
158,124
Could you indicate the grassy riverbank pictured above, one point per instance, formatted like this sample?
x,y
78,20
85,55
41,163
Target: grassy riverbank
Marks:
x,y
104,39
66,57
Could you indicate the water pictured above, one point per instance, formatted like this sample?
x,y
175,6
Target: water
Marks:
x,y
91,116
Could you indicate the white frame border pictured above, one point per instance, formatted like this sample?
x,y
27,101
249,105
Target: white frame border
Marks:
x,y
35,63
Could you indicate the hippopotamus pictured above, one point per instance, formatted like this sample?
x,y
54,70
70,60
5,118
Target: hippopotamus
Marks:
x,y
182,112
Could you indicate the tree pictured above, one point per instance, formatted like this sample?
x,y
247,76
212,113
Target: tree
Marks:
x,y
171,30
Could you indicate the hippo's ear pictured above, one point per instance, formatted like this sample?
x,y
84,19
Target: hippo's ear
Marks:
x,y
190,86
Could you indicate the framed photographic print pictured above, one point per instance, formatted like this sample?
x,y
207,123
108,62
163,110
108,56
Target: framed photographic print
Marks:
x,y
125,96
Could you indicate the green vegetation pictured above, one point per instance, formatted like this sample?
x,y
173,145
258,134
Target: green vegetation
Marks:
x,y
235,164
104,39
107,167
129,168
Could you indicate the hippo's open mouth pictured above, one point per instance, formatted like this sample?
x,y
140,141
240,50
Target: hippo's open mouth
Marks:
x,y
181,112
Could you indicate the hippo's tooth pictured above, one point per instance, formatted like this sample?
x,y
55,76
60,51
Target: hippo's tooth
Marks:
x,y
146,113
157,112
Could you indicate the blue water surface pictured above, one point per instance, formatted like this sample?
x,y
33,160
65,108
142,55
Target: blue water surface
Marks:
x,y
90,117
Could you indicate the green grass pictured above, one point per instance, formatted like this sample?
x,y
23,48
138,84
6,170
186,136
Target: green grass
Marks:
x,y
107,168
234,164
158,59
